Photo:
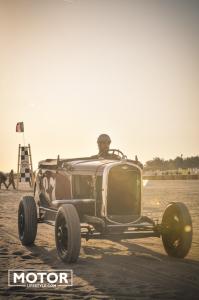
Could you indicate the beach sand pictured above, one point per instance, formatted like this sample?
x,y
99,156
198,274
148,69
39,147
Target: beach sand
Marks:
x,y
129,269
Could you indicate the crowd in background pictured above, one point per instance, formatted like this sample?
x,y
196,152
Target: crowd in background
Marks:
x,y
10,178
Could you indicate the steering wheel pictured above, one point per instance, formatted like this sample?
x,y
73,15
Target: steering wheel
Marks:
x,y
117,152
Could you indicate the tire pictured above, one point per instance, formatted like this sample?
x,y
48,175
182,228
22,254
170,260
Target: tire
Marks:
x,y
68,233
177,230
27,220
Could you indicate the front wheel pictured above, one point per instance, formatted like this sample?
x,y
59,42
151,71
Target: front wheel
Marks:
x,y
177,230
68,233
27,220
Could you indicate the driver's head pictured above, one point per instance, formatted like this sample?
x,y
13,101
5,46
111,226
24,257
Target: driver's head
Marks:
x,y
103,142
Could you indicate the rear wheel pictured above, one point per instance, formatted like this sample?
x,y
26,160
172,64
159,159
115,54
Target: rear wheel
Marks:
x,y
177,230
27,220
68,233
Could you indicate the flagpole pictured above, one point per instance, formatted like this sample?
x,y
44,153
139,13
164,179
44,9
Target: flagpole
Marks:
x,y
23,139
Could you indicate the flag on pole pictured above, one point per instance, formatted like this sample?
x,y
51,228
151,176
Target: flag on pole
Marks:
x,y
20,127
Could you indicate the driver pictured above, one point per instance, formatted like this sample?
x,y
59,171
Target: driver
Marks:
x,y
104,142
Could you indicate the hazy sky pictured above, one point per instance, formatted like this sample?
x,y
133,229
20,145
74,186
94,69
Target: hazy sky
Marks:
x,y
74,69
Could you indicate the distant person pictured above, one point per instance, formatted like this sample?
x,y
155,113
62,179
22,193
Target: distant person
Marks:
x,y
11,180
3,179
104,142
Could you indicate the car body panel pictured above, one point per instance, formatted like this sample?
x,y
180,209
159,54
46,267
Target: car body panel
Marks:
x,y
81,180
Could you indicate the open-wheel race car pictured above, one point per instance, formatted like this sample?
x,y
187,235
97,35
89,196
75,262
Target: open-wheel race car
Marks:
x,y
97,198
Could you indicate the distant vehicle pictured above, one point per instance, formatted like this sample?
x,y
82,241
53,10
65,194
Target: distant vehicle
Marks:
x,y
96,198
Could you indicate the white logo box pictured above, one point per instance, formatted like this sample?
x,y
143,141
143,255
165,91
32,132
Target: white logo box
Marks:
x,y
43,278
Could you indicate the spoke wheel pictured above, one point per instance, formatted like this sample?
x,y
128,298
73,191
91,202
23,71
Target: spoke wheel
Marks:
x,y
177,230
27,220
21,222
62,235
68,233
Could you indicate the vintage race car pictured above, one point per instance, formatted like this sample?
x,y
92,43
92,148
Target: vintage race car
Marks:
x,y
97,198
